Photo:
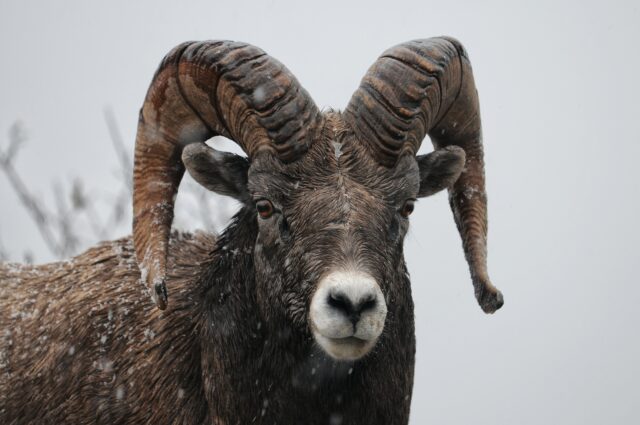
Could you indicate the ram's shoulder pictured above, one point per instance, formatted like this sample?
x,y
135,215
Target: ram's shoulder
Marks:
x,y
186,245
185,249
103,268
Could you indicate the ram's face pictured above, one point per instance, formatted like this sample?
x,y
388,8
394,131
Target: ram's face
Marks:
x,y
331,226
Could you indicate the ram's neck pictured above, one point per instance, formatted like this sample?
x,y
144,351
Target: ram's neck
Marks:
x,y
245,361
227,281
227,303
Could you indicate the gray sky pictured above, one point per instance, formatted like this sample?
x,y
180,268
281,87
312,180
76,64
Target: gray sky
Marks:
x,y
560,103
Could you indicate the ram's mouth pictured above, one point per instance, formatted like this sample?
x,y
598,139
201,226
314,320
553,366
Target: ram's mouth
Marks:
x,y
344,349
350,340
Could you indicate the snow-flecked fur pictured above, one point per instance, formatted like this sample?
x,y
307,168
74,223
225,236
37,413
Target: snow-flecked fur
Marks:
x,y
82,344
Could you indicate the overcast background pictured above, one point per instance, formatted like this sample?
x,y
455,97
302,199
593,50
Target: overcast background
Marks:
x,y
560,106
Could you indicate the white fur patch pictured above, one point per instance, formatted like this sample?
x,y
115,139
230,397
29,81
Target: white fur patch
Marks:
x,y
332,328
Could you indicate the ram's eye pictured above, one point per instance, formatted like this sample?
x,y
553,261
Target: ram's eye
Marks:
x,y
264,208
407,208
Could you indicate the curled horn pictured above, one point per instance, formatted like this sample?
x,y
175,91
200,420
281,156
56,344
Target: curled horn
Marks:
x,y
426,87
200,90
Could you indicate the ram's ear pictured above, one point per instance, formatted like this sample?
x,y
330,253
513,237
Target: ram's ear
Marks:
x,y
221,172
440,169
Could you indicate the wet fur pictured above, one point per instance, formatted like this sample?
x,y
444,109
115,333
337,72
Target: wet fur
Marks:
x,y
75,351
81,342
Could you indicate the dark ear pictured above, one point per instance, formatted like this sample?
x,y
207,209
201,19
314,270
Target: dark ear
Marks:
x,y
220,172
440,169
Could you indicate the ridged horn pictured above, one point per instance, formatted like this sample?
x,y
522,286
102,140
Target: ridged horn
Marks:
x,y
426,87
203,89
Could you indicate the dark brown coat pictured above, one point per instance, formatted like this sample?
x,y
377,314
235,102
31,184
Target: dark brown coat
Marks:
x,y
81,343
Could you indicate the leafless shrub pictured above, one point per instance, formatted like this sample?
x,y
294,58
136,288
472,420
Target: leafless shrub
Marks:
x,y
77,218
4,256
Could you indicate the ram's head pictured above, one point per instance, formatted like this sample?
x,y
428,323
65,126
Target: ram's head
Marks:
x,y
331,191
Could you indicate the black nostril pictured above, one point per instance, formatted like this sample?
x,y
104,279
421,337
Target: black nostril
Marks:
x,y
341,301
368,303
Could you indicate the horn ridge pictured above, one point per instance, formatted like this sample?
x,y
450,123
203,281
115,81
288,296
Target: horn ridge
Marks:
x,y
202,89
426,87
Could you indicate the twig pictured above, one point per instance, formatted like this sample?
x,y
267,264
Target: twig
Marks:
x,y
4,256
62,230
119,146
37,212
68,236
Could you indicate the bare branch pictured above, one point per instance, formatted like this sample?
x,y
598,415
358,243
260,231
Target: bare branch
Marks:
x,y
39,215
69,240
17,136
118,211
119,146
82,203
4,255
27,257
64,228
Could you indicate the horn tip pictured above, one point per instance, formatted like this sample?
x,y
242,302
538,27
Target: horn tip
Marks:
x,y
159,294
489,297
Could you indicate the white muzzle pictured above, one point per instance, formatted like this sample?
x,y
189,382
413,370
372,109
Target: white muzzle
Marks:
x,y
347,314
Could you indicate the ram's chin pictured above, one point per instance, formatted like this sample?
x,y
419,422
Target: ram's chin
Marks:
x,y
344,349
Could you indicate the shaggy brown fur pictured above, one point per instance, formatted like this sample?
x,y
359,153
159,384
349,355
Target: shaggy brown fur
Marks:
x,y
80,342
84,345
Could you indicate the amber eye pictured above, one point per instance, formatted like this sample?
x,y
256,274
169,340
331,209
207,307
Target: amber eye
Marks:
x,y
407,208
264,208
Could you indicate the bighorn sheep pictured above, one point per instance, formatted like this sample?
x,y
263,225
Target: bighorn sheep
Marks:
x,y
301,311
